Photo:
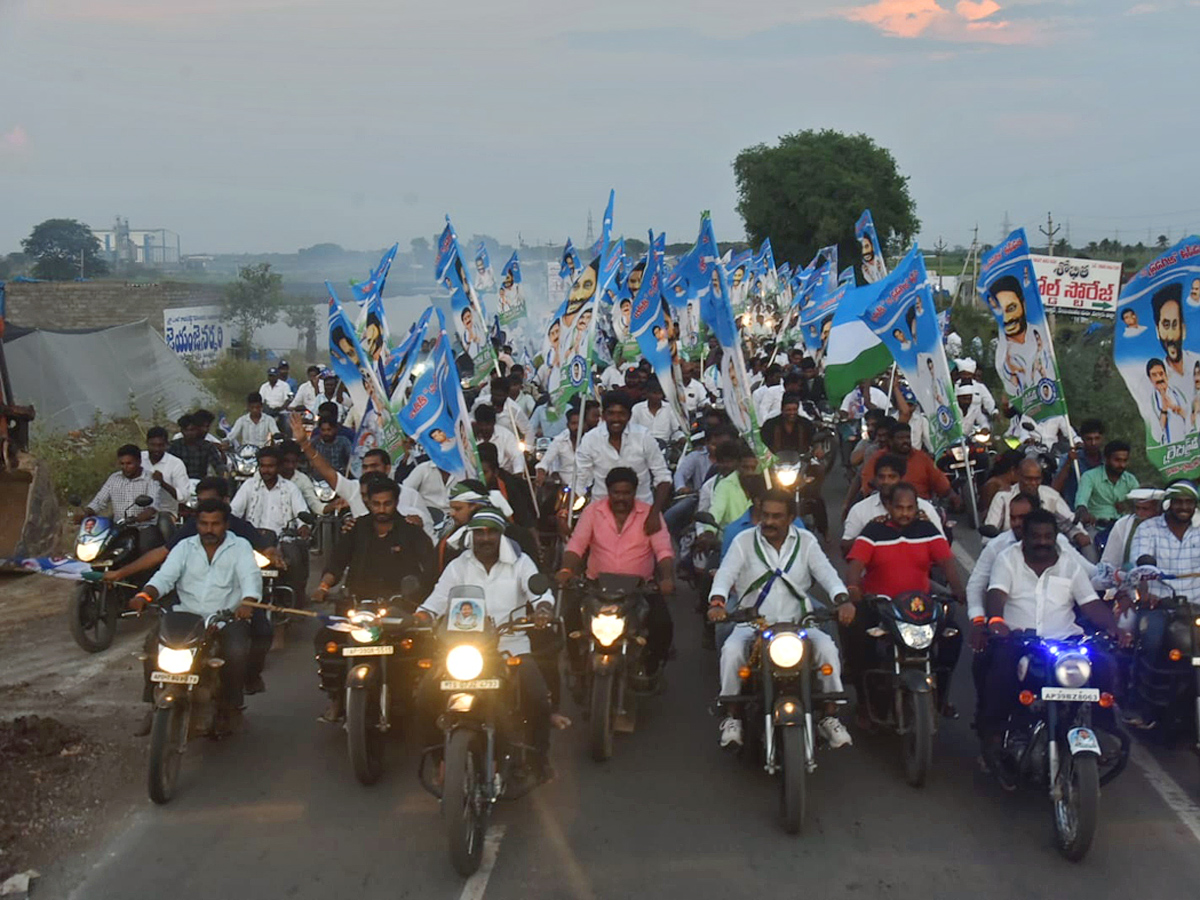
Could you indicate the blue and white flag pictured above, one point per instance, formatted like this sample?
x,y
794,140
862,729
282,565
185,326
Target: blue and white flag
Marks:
x,y
511,302
846,276
652,329
470,316
364,290
484,280
569,267
871,261
56,566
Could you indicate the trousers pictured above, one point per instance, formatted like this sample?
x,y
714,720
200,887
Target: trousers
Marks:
x,y
735,652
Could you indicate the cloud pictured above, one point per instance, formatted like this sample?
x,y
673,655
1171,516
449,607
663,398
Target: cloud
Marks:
x,y
15,140
968,21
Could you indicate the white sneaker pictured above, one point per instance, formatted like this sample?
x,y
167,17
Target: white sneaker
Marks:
x,y
835,732
731,732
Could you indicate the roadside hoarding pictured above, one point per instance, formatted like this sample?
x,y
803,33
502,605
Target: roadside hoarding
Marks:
x,y
196,333
1082,287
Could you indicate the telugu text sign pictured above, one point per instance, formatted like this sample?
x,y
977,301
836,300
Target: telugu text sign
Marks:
x,y
196,332
1081,286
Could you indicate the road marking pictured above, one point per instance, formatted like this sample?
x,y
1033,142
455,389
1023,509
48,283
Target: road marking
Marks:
x,y
965,559
477,883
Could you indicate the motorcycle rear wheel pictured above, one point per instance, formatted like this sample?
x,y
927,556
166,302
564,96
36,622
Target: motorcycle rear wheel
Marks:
x,y
167,733
1075,815
93,623
364,740
794,789
600,721
464,811
918,740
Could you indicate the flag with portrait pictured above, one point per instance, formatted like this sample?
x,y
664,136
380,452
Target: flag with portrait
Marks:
x,y
511,300
871,262
569,266
483,280
652,329
470,317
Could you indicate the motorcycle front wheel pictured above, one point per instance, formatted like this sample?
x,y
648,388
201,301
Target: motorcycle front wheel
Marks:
x,y
93,615
464,810
918,740
794,789
600,720
365,741
1075,814
167,734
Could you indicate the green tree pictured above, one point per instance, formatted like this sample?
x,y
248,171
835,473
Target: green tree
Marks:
x,y
809,190
254,300
57,246
1162,242
303,317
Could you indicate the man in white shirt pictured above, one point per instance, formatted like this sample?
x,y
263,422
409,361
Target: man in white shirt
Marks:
x,y
509,414
117,495
656,416
1147,503
1029,481
307,394
559,460
693,392
289,469
768,399
267,501
253,426
865,396
602,449
1035,587
169,471
431,484
772,568
970,408
274,392
889,472
508,451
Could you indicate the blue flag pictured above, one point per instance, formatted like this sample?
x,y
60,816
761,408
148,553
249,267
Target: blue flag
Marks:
x,y
470,316
570,262
485,280
364,290
871,261
511,301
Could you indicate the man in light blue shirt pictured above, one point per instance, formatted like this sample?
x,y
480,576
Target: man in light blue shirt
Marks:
x,y
212,572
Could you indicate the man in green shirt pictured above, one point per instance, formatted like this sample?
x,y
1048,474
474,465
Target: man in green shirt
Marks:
x,y
1102,488
733,494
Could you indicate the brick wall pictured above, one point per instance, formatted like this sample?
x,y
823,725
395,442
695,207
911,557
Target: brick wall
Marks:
x,y
100,304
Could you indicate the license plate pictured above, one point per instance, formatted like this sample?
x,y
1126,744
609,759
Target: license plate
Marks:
x,y
1071,695
170,678
379,650
481,684
1082,740
1196,661
269,573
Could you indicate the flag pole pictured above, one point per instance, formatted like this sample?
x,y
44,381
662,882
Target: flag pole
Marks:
x,y
970,483
512,417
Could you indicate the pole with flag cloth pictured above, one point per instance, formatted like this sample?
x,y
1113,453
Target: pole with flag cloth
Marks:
x,y
511,302
653,331
363,290
470,317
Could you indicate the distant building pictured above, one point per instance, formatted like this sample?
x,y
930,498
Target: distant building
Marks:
x,y
146,246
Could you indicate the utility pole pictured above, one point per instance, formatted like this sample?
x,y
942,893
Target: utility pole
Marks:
x,y
975,260
1005,228
591,233
939,248
81,264
1049,231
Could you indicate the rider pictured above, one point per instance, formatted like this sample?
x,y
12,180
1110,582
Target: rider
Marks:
x,y
306,395
657,417
253,427
169,471
1037,588
1103,488
289,469
920,469
813,388
1147,503
508,450
335,448
612,533
889,472
375,555
115,497
198,454
494,564
211,573
772,567
271,503
732,494
1029,481
559,460
274,392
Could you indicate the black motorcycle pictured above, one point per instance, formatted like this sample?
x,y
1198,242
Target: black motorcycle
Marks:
x,y
1051,742
902,690
777,699
187,682
382,661
107,544
487,756
954,463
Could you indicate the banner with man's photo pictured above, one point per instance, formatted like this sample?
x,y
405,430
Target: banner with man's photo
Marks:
x,y
871,262
904,319
1025,357
470,318
1157,351
652,329
511,300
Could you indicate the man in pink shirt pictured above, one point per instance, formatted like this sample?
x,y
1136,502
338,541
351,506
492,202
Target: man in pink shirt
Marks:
x,y
612,533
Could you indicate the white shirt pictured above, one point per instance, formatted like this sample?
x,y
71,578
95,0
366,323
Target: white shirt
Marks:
x,y
246,431
612,377
981,574
174,473
1051,499
872,508
506,587
1045,603
768,402
275,397
426,480
410,502
308,397
596,457
853,403
307,491
560,458
270,508
662,425
1114,550
695,395
742,567
507,450
975,417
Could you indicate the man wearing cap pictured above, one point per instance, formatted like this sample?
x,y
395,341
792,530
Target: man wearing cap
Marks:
x,y
285,372
1147,503
275,393
503,572
970,408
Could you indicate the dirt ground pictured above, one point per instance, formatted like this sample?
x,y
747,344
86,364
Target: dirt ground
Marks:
x,y
68,757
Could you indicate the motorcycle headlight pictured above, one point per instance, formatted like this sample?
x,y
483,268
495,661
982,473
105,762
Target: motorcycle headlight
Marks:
x,y
607,627
580,502
464,662
87,552
916,636
261,561
786,650
787,476
246,466
365,631
1073,671
177,662
983,436
958,453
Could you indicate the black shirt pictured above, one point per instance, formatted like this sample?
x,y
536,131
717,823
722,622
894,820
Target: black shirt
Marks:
x,y
814,390
197,458
378,564
236,524
777,438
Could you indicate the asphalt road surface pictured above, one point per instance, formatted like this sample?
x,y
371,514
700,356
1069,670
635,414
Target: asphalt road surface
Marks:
x,y
276,812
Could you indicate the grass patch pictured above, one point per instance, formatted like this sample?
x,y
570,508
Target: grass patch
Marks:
x,y
230,380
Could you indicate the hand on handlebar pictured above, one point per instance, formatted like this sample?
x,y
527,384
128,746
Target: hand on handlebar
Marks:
x,y
846,612
543,615
243,612
717,613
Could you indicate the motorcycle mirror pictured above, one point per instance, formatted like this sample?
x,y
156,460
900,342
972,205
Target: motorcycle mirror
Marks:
x,y
410,585
143,500
1147,559
989,531
75,500
539,583
1028,426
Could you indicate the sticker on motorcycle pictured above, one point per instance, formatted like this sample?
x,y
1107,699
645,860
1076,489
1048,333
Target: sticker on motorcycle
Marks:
x,y
170,678
379,650
1071,695
1082,740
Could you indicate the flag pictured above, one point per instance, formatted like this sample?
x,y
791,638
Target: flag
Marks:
x,y
871,261
2,305
903,317
56,566
627,347
1024,352
651,326
570,262
511,302
470,317
375,281
1157,351
849,351
846,276
430,404
485,280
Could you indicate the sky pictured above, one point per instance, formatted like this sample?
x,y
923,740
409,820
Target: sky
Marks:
x,y
270,125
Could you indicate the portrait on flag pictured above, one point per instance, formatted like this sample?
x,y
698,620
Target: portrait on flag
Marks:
x,y
483,280
511,301
1157,351
871,263
470,317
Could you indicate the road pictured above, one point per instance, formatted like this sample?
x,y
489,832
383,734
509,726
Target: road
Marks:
x,y
276,812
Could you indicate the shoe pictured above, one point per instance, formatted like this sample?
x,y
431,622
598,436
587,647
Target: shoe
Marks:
x,y
333,715
1136,720
832,729
949,710
146,724
731,732
226,721
254,684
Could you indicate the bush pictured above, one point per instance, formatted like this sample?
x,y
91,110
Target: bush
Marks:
x,y
80,461
230,380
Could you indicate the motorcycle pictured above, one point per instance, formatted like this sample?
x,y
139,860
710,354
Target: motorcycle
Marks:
x,y
801,474
1051,742
383,672
486,756
106,544
902,693
242,464
953,462
328,525
187,682
778,700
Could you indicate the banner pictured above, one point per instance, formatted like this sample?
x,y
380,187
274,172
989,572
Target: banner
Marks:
x,y
430,403
196,333
485,280
1024,352
470,317
364,290
1158,355
569,267
652,328
903,317
871,262
1085,287
512,301
627,348
56,566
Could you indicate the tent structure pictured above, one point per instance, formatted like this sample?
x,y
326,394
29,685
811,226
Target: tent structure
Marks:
x,y
70,376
